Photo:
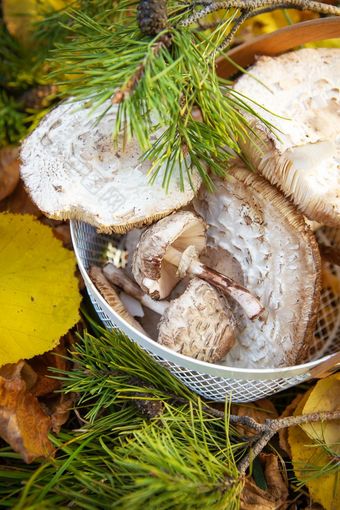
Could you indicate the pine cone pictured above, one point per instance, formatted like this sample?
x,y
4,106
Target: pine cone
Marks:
x,y
152,16
38,97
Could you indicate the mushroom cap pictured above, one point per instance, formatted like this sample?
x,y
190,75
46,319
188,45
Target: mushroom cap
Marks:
x,y
303,160
73,170
155,275
199,323
280,262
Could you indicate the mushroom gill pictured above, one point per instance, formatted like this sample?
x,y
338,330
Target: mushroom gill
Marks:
x,y
280,262
300,92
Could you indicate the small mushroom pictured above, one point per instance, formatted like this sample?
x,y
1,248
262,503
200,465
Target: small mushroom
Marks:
x,y
300,92
279,258
111,297
73,170
199,323
169,249
118,278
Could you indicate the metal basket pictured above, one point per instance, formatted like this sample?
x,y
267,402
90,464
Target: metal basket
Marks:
x,y
212,381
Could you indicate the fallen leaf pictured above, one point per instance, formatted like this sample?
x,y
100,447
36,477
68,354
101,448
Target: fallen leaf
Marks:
x,y
310,460
9,170
260,411
23,424
61,410
275,497
325,396
20,202
41,365
39,294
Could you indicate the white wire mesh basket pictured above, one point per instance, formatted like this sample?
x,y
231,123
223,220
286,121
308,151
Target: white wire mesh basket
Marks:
x,y
216,382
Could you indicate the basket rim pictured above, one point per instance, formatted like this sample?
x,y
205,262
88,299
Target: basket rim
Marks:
x,y
173,357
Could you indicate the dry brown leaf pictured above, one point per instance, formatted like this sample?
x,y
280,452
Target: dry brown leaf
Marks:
x,y
62,232
20,202
275,497
260,411
29,406
23,424
9,170
61,411
45,384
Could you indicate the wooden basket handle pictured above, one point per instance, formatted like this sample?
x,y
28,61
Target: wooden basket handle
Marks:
x,y
278,42
326,367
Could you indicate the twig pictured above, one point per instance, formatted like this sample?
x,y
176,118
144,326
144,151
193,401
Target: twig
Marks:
x,y
271,427
227,40
253,5
265,430
121,94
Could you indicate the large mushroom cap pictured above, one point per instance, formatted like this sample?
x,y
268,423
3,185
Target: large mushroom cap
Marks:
x,y
199,323
155,275
303,87
73,170
280,262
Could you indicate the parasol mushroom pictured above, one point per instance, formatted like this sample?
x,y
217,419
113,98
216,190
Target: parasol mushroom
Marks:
x,y
169,249
111,297
280,261
199,323
302,157
73,170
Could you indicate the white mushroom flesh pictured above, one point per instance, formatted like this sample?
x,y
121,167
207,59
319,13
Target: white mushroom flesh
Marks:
x,y
72,169
279,259
155,275
303,89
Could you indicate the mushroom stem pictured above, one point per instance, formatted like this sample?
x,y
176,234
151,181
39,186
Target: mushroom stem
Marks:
x,y
121,280
188,263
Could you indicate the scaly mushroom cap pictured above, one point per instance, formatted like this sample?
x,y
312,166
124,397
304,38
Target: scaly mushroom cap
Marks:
x,y
73,171
280,262
155,275
199,323
304,159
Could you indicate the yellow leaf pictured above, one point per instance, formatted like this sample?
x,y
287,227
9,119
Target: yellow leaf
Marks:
x,y
309,460
325,396
39,296
20,16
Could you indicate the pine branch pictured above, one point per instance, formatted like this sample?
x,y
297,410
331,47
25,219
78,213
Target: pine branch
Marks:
x,y
254,5
159,68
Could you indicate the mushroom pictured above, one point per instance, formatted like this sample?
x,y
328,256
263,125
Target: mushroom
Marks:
x,y
199,323
111,297
300,93
169,249
280,261
73,170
